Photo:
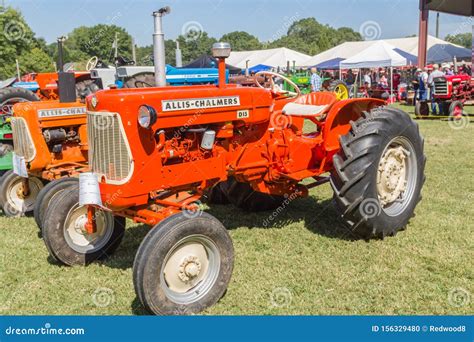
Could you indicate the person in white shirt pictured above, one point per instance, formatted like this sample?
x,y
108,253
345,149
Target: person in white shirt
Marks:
x,y
368,79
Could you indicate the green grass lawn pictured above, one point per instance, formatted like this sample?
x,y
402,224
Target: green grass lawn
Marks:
x,y
303,264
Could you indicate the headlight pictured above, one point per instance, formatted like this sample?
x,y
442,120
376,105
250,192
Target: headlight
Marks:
x,y
146,116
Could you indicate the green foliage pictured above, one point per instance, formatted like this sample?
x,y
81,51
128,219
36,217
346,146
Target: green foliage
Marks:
x,y
310,37
85,42
16,41
36,60
241,41
463,39
194,44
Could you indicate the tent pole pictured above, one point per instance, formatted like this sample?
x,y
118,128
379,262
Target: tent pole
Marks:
x,y
391,83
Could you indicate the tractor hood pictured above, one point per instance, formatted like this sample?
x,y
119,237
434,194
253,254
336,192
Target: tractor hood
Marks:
x,y
49,114
185,106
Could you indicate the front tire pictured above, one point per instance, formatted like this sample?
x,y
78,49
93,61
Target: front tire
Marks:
x,y
183,265
64,232
378,173
12,199
456,110
51,190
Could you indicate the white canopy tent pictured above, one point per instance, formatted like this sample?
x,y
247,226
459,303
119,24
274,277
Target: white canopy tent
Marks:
x,y
379,54
275,58
409,45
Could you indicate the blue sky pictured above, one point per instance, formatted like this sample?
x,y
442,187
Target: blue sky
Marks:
x,y
263,18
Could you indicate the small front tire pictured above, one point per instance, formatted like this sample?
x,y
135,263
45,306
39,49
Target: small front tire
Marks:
x,y
12,198
51,190
64,230
183,265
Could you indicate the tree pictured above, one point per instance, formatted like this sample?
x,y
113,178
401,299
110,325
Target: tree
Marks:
x,y
16,40
36,60
193,45
241,41
309,36
84,42
463,39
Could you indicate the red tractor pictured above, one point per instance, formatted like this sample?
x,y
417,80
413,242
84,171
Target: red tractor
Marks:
x,y
452,92
155,153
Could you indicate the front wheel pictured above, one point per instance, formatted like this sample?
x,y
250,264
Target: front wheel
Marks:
x,y
456,110
340,88
183,265
65,235
50,191
16,199
378,173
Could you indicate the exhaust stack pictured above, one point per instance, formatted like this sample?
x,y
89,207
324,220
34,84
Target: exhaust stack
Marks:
x,y
159,47
221,51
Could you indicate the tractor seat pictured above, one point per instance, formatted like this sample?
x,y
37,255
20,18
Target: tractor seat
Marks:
x,y
310,105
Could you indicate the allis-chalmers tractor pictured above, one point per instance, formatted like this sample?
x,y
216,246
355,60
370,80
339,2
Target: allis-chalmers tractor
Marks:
x,y
154,153
452,92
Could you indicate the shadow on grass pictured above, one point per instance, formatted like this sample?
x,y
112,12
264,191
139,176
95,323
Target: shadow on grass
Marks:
x,y
319,217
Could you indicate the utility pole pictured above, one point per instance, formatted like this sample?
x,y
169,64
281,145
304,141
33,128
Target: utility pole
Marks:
x,y
134,53
116,45
437,25
17,69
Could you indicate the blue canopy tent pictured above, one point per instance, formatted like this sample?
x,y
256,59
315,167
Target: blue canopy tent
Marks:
x,y
259,67
411,59
440,53
330,64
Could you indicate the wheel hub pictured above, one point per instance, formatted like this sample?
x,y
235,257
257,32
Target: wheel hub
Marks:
x,y
190,268
391,175
186,267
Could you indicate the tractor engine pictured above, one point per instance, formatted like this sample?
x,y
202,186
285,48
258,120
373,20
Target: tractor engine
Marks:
x,y
51,137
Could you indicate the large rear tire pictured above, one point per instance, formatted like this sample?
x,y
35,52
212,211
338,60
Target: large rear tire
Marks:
x,y
183,265
12,199
64,231
144,80
378,173
10,96
51,190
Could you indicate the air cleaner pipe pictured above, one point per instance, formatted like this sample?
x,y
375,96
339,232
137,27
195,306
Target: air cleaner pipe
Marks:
x,y
159,47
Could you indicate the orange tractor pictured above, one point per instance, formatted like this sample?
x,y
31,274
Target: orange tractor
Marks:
x,y
155,153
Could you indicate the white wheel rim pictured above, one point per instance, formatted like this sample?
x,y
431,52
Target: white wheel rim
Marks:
x,y
396,176
190,269
75,232
17,202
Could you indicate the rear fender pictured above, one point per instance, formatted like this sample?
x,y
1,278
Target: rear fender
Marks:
x,y
339,118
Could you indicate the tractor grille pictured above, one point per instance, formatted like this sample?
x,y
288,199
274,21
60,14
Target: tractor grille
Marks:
x,y
109,152
22,141
440,86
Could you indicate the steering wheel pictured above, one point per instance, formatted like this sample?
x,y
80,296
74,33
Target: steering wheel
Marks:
x,y
92,63
274,87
